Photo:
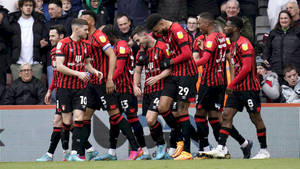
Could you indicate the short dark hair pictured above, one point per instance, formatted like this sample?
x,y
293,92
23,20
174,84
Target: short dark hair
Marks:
x,y
56,2
90,13
110,31
153,20
120,15
60,29
22,2
208,16
78,21
288,68
139,29
236,21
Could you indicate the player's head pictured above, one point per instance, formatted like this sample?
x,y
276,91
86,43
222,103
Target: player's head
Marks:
x,y
80,28
156,24
234,24
290,75
25,72
140,36
89,16
206,20
56,33
111,32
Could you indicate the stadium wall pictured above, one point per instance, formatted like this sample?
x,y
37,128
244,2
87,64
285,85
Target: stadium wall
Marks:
x,y
25,132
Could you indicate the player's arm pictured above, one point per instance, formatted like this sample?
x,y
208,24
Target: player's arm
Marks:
x,y
152,80
137,80
122,56
111,68
52,86
231,69
88,66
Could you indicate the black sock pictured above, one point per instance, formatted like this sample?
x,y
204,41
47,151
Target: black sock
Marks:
x,y
123,124
262,137
202,128
185,125
157,134
55,137
224,133
114,132
194,134
138,130
87,126
77,142
172,123
215,125
65,136
234,133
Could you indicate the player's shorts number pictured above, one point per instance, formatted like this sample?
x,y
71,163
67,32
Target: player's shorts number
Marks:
x,y
103,100
250,103
183,91
156,101
124,104
83,100
57,104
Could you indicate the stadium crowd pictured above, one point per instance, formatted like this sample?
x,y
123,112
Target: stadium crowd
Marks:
x,y
109,38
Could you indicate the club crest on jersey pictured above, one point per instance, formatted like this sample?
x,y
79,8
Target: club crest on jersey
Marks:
x,y
180,35
245,46
209,44
102,39
168,52
63,107
228,41
122,50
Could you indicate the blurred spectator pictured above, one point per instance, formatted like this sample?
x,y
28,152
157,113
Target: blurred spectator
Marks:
x,y
174,10
274,8
291,87
293,9
26,90
10,5
283,45
223,8
39,6
26,27
76,5
195,7
137,10
3,44
233,9
269,82
98,9
2,93
192,27
249,8
110,7
67,8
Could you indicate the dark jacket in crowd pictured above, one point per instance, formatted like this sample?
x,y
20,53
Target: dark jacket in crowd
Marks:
x,y
174,10
2,94
283,48
4,44
21,93
15,30
101,13
195,7
198,33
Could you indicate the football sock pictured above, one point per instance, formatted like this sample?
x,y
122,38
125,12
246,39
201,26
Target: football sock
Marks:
x,y
138,130
194,134
202,128
157,134
55,137
234,133
65,136
185,125
224,133
77,142
215,124
85,134
171,122
262,138
114,132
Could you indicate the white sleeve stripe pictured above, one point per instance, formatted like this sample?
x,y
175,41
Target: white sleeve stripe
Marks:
x,y
106,46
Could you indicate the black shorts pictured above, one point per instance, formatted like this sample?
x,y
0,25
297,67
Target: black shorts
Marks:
x,y
151,101
98,98
71,99
57,110
180,88
211,98
128,103
249,99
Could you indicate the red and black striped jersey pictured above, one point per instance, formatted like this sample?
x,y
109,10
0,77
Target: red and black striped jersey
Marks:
x,y
180,44
155,55
99,43
55,72
123,75
75,54
243,59
214,70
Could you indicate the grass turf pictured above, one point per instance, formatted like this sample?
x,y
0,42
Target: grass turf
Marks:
x,y
168,164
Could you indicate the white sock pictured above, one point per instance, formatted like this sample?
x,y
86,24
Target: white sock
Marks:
x,y
244,144
50,155
90,149
112,152
145,151
73,152
171,151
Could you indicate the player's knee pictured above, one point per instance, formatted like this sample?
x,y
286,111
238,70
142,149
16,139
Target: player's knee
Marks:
x,y
163,108
150,120
57,123
182,107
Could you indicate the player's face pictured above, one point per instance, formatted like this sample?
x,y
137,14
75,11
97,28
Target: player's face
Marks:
x,y
228,29
141,40
124,24
27,8
89,19
203,25
261,70
291,77
232,9
53,37
25,73
284,20
83,31
160,29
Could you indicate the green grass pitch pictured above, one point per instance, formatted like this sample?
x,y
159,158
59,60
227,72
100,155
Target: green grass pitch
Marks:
x,y
166,164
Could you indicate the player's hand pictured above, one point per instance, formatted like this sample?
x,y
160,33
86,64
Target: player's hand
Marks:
x,y
229,91
110,86
99,75
47,98
84,76
165,64
267,63
152,80
200,44
137,91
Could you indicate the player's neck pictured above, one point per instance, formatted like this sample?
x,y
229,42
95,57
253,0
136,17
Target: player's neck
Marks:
x,y
74,37
210,30
92,30
235,37
151,43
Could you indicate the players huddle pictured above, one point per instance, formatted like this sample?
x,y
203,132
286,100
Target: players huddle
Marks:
x,y
95,69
